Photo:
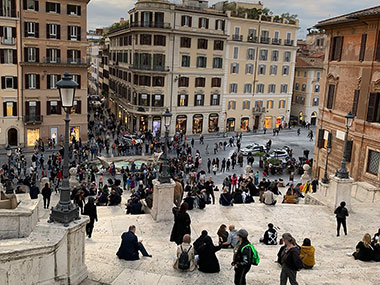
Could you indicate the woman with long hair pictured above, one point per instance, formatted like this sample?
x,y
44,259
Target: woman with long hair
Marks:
x,y
222,235
290,260
364,250
90,210
182,223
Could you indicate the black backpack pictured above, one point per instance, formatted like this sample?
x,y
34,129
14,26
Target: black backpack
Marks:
x,y
201,203
183,261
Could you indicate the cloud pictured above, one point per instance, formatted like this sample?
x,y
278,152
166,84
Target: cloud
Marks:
x,y
102,13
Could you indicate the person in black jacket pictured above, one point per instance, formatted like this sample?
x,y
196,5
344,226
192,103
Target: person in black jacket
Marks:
x,y
46,193
341,213
364,250
130,246
208,262
181,225
199,241
270,236
243,258
291,261
90,211
376,251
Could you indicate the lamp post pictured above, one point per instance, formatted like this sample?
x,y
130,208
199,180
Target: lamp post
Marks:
x,y
9,184
65,212
165,177
9,154
342,172
325,179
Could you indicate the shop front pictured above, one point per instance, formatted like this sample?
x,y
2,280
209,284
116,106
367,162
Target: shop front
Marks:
x,y
74,133
244,124
180,125
300,117
279,121
143,123
54,134
197,124
156,128
213,121
313,119
230,127
268,122
32,135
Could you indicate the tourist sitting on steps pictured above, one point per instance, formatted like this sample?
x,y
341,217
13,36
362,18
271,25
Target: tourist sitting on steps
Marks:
x,y
222,235
208,262
376,251
185,258
130,246
307,254
364,250
270,236
289,197
232,239
268,198
225,198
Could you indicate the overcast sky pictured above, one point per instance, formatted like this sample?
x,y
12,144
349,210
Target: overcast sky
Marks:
x,y
102,13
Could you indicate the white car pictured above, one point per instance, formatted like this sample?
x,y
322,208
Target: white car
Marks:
x,y
279,153
253,148
132,138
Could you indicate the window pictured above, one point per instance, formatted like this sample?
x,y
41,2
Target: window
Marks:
x,y
303,87
317,88
199,100
285,70
185,61
53,108
373,113
8,56
73,10
185,42
10,109
145,39
201,61
305,74
203,23
215,100
373,162
281,104
249,68
73,56
144,80
32,54
236,53
8,82
216,82
73,33
287,56
330,96
183,81
362,47
8,35
246,105
284,88
336,45
273,70
186,21
183,100
31,29
378,48
53,31
275,55
32,81
158,61
297,86
316,101
231,105
276,35
270,104
234,68
318,76
8,8
233,87
53,7
52,80
263,54
217,62
158,100
53,55
31,5
262,69
219,25
248,88
218,45
159,40
76,78
237,31
259,103
144,99
158,81
260,88
272,88
200,82
251,54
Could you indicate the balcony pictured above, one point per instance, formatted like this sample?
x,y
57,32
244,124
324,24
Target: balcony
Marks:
x,y
150,24
276,41
252,39
159,68
33,119
264,40
146,109
8,41
238,38
288,42
258,110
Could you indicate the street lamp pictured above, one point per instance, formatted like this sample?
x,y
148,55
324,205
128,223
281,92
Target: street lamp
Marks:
x,y
342,172
8,185
165,177
325,179
65,212
9,154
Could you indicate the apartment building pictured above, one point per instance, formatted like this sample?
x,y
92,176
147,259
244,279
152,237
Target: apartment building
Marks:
x,y
53,41
259,70
94,54
307,89
352,84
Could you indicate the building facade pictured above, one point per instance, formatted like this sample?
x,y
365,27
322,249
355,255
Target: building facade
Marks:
x,y
52,41
307,89
352,83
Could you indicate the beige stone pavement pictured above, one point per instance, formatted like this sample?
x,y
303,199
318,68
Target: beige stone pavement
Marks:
x,y
334,266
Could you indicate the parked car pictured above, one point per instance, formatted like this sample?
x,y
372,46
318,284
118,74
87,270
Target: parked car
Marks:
x,y
253,148
279,153
132,139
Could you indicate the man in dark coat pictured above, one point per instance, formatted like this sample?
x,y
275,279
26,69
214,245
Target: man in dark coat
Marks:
x,y
34,191
130,246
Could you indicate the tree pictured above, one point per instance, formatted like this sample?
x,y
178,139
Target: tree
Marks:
x,y
290,18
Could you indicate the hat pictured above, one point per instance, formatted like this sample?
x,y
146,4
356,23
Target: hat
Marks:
x,y
242,233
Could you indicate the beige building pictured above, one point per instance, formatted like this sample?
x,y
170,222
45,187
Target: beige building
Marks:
x,y
259,70
11,123
307,89
53,41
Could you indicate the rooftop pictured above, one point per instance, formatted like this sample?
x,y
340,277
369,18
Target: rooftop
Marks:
x,y
310,61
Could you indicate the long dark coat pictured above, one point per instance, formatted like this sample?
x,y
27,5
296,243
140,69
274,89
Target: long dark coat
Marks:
x,y
181,226
208,262
129,247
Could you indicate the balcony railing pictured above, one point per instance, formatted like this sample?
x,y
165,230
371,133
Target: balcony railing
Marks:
x,y
237,38
76,61
8,41
150,67
33,119
252,39
288,42
150,24
264,40
258,110
146,109
276,41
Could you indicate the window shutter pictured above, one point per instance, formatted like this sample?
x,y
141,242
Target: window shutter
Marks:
x,y
47,30
349,150
378,47
371,114
37,55
321,133
26,29
69,55
2,82
182,20
14,56
68,32
79,56
330,96
24,4
36,5
4,109
237,68
13,32
38,81
59,9
38,108
199,22
48,108
25,54
59,107
79,82
362,47
58,77
59,55
79,33
47,7
216,24
79,10
15,82
339,47
79,107
2,30
37,25
26,81
331,50
190,21
13,8
58,32
27,108
356,102
207,22
48,78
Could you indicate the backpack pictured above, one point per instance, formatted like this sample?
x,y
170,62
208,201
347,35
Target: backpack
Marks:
x,y
255,255
201,203
183,261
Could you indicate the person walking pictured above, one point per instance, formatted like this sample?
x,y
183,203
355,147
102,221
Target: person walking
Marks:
x,y
46,193
290,260
341,214
90,211
181,225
